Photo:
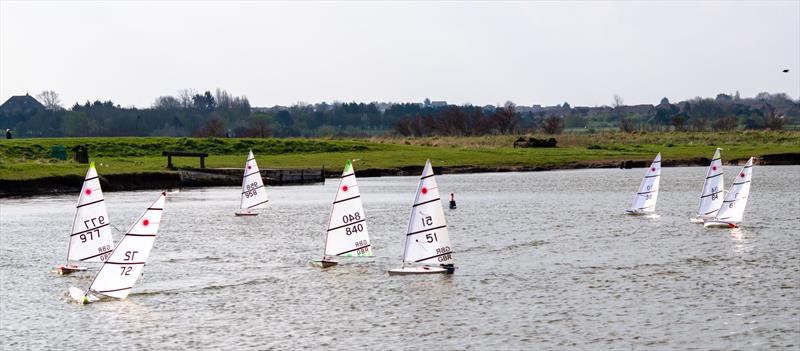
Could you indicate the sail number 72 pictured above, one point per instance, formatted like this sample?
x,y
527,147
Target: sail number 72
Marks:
x,y
129,255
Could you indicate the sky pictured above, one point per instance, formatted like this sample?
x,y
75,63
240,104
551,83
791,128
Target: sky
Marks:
x,y
281,53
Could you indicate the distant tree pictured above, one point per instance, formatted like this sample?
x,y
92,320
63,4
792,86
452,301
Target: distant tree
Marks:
x,y
618,102
50,100
186,97
284,118
76,124
212,128
664,101
204,102
505,118
166,103
626,125
553,124
679,122
699,123
566,106
725,124
427,102
259,126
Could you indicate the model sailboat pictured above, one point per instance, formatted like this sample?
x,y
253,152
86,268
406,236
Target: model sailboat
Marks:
x,y
711,196
254,195
732,210
120,272
427,241
347,227
645,200
90,238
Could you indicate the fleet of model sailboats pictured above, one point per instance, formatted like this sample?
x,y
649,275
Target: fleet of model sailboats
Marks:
x,y
427,247
90,238
347,225
122,269
254,195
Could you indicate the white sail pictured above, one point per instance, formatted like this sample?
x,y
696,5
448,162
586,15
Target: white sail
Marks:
x,y
732,209
119,273
254,194
347,227
427,240
645,200
90,238
711,196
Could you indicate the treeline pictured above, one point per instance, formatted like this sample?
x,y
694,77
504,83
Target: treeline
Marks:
x,y
220,114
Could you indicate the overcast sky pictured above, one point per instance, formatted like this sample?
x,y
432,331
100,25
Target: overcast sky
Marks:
x,y
474,52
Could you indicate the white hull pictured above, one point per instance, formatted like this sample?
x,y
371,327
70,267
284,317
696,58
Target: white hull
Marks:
x,y
245,213
698,220
719,224
418,270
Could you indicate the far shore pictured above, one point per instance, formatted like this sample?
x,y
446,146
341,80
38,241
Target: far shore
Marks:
x,y
193,177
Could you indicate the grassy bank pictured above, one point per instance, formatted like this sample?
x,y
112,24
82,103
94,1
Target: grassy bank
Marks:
x,y
29,158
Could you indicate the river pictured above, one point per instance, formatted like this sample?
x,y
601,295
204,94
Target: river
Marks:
x,y
546,260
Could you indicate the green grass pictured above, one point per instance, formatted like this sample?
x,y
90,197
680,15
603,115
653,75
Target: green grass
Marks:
x,y
29,158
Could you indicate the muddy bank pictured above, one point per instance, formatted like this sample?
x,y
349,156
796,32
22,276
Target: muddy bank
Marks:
x,y
181,179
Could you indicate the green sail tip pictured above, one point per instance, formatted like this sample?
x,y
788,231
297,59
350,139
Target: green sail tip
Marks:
x,y
348,166
91,164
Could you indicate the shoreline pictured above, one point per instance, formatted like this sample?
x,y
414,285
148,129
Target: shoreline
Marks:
x,y
194,178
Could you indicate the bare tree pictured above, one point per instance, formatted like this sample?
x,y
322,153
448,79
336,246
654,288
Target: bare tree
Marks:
x,y
166,103
618,101
185,96
553,124
50,100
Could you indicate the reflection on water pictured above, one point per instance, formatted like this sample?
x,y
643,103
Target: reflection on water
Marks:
x,y
545,261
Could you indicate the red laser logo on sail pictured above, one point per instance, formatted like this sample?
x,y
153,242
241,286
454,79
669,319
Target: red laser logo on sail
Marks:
x,y
345,188
424,190
145,222
88,191
652,169
713,168
741,174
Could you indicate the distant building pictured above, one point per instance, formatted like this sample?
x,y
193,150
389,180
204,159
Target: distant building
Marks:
x,y
523,109
20,104
438,104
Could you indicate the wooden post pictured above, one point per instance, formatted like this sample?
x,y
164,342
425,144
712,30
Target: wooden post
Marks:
x,y
202,162
169,161
302,172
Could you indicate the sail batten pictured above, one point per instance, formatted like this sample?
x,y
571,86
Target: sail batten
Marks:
x,y
347,233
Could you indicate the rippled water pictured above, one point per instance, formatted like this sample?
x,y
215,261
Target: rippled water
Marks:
x,y
545,261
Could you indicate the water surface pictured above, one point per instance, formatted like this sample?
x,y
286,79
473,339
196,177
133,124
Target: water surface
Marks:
x,y
545,260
